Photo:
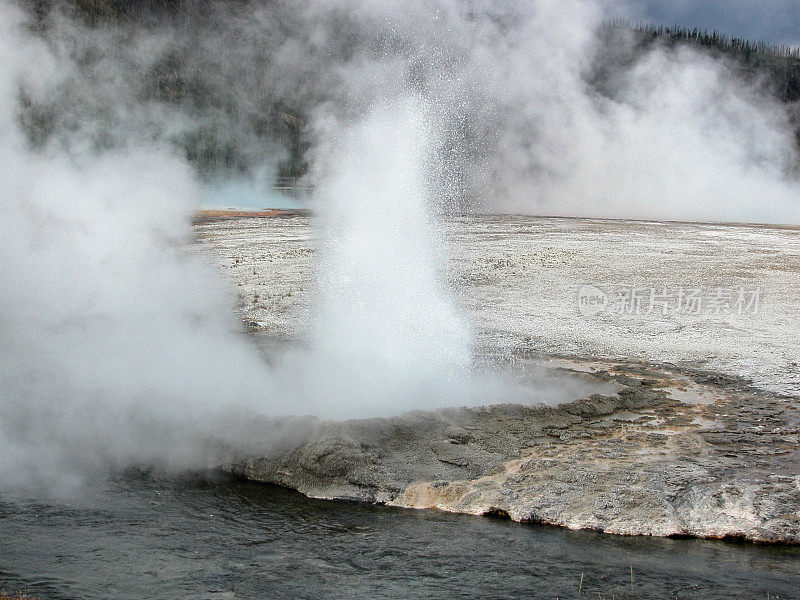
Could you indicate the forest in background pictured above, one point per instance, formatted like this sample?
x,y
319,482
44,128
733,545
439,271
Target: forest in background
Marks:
x,y
276,122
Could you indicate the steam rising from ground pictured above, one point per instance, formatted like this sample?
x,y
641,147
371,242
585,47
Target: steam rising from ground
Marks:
x,y
538,108
119,343
386,331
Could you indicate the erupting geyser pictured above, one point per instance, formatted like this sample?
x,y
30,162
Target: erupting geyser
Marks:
x,y
119,343
386,334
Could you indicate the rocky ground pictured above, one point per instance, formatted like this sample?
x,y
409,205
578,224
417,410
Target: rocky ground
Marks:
x,y
679,449
641,461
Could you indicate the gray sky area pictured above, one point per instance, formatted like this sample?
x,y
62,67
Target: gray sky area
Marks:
x,y
774,21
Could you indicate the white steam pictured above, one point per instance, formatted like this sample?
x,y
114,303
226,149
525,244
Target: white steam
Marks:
x,y
119,341
537,109
680,139
118,345
386,333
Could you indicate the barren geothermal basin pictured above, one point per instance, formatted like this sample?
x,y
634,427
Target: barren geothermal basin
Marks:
x,y
665,379
519,279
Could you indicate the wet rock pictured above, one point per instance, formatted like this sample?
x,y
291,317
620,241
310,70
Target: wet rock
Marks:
x,y
595,405
638,462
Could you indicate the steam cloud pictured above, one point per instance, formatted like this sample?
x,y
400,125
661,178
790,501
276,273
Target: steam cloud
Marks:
x,y
119,344
537,111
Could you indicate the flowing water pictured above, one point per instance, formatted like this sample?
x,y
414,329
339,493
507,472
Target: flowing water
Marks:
x,y
140,536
